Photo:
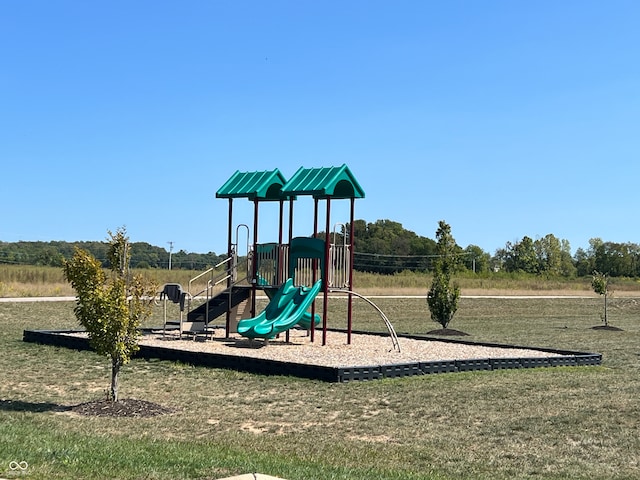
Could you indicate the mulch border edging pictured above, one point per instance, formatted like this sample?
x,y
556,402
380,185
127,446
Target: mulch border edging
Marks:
x,y
333,374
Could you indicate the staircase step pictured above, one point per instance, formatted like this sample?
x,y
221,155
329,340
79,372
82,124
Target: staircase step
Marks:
x,y
219,304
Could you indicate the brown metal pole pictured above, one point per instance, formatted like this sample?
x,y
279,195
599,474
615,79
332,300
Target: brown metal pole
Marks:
x,y
227,328
286,274
290,219
351,257
314,263
279,279
254,273
281,221
279,274
325,283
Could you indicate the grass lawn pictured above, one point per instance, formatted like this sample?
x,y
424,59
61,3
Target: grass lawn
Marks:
x,y
560,423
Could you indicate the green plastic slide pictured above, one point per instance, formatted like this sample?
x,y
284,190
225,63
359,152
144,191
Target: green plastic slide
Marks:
x,y
286,309
305,321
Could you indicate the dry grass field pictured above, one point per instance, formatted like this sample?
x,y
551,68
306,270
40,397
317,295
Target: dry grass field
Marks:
x,y
32,281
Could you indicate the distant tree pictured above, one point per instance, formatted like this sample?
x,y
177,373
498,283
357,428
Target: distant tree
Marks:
x,y
545,256
48,256
110,308
583,262
476,260
617,259
600,285
386,247
525,258
567,266
442,298
549,254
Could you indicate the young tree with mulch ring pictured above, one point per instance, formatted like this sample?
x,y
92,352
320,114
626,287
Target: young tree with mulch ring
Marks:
x,y
600,285
443,297
112,307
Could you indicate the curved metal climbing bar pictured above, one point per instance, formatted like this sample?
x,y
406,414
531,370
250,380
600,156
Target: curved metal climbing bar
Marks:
x,y
392,331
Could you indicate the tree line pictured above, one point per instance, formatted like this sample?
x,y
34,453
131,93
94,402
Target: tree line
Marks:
x,y
143,255
386,247
383,247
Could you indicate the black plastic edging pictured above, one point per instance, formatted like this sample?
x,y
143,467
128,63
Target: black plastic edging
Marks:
x,y
329,374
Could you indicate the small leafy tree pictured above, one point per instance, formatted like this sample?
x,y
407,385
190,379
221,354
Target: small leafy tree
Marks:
x,y
443,297
111,307
600,285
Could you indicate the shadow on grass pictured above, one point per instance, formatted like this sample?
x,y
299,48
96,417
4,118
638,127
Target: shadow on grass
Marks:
x,y
34,407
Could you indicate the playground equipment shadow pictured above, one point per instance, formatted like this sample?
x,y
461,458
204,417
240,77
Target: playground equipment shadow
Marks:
x,y
368,357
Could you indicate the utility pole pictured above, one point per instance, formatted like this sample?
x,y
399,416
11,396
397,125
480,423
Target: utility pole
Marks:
x,y
170,250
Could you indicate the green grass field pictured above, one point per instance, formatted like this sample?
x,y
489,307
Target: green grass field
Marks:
x,y
559,423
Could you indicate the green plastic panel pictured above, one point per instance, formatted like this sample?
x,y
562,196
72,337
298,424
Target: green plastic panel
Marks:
x,y
306,247
334,182
266,185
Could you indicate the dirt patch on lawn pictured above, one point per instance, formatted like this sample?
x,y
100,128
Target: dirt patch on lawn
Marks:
x,y
448,332
609,328
127,407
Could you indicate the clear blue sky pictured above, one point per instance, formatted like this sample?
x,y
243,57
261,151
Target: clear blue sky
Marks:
x,y
502,118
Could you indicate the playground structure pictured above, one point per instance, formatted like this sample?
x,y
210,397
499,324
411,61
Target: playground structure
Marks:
x,y
291,273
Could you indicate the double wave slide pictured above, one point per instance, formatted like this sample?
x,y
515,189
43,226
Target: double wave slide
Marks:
x,y
286,309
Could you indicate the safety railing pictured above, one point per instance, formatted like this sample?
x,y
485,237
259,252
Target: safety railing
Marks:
x,y
339,266
307,271
215,277
272,262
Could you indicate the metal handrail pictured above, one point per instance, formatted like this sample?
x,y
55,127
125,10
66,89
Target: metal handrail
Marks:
x,y
229,272
208,290
344,234
209,270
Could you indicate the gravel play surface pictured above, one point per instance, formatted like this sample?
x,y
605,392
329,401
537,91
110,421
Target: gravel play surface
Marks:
x,y
364,350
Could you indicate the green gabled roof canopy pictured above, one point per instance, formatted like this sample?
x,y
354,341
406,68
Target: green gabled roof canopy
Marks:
x,y
265,185
334,182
